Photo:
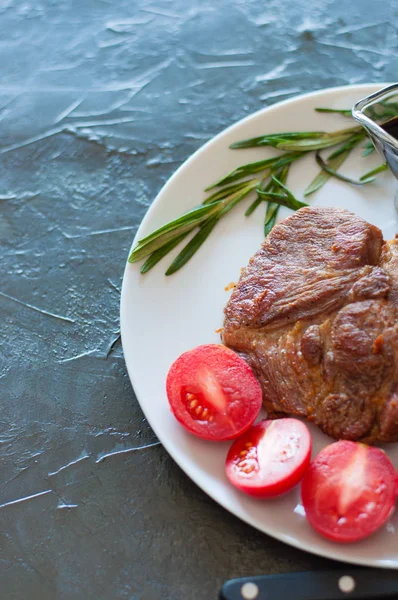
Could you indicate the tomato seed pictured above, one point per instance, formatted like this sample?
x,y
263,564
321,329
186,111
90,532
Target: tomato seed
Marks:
x,y
248,469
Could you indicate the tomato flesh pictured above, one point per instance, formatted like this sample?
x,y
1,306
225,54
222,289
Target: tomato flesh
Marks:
x,y
270,458
349,491
213,392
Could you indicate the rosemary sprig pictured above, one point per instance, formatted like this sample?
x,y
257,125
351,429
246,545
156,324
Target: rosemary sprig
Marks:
x,y
299,142
375,171
166,238
270,217
334,173
268,177
172,230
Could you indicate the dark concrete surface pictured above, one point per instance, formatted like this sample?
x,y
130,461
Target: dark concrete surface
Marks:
x,y
100,101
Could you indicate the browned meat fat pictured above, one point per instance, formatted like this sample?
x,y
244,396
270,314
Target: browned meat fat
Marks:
x,y
315,315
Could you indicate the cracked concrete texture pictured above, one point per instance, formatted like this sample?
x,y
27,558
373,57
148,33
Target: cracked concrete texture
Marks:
x,y
100,102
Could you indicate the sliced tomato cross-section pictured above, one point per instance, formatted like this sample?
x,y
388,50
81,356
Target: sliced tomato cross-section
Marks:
x,y
213,392
349,491
270,458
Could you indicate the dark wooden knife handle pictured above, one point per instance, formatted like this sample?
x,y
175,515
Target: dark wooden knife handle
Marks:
x,y
355,583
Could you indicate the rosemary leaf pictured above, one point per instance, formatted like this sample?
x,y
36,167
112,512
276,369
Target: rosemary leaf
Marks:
x,y
272,208
270,217
282,174
253,206
156,256
193,245
334,173
375,171
341,111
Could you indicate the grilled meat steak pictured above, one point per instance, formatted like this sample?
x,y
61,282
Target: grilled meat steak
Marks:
x,y
315,316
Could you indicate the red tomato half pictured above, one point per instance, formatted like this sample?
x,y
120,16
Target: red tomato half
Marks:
x,y
213,392
349,491
270,458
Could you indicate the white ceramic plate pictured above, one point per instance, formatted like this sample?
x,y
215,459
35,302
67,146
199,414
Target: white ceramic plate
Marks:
x,y
161,317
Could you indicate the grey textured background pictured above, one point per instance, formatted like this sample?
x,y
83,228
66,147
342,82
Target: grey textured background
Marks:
x,y
100,101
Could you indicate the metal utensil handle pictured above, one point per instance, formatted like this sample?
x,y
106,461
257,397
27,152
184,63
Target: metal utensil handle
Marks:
x,y
315,585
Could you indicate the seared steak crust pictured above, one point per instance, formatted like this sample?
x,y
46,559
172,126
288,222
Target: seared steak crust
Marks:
x,y
315,316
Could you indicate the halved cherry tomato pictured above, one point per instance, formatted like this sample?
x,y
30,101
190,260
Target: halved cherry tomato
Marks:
x,y
213,393
349,491
270,458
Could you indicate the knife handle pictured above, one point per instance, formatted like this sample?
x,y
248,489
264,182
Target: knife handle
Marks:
x,y
334,584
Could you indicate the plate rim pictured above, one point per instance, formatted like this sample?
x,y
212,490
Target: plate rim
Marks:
x,y
282,537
